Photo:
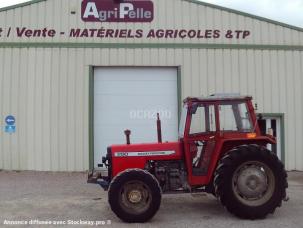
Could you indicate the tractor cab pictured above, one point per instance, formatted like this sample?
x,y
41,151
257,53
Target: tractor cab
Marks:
x,y
211,124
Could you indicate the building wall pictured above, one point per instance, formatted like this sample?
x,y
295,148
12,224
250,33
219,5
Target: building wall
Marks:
x,y
48,92
169,14
46,84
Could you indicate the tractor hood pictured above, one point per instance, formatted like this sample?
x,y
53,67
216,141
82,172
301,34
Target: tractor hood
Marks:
x,y
137,155
148,149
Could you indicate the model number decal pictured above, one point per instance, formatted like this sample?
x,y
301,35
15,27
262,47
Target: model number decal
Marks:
x,y
144,154
121,154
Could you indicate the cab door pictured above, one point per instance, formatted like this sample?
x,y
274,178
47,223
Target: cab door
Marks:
x,y
201,140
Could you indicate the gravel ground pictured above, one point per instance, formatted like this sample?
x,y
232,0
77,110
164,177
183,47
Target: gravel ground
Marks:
x,y
66,197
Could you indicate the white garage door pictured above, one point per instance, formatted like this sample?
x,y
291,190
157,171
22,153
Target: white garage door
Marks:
x,y
129,98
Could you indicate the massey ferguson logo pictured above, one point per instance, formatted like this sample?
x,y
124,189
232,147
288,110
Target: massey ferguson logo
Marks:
x,y
117,11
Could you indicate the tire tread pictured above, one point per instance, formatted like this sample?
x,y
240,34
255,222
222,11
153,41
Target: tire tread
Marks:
x,y
223,175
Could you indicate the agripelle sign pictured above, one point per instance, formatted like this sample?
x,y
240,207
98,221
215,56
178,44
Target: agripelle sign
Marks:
x,y
117,11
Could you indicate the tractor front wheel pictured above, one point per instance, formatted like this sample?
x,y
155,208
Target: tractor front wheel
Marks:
x,y
134,195
250,182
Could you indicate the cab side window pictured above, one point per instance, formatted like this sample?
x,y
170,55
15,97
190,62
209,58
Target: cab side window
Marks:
x,y
235,117
203,119
227,118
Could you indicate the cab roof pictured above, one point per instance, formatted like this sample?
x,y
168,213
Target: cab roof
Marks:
x,y
218,97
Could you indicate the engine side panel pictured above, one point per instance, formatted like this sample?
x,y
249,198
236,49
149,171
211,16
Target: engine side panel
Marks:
x,y
172,175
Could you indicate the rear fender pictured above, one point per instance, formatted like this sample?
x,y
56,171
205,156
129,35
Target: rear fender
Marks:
x,y
226,145
229,144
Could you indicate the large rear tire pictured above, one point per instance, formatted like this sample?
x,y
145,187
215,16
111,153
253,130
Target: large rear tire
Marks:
x,y
134,196
250,182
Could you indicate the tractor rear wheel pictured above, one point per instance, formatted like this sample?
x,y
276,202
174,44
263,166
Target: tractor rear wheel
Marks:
x,y
134,195
250,182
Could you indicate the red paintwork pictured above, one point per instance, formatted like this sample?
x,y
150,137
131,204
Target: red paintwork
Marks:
x,y
119,164
220,142
184,147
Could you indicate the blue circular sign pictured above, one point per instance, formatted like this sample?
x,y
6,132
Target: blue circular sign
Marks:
x,y
10,120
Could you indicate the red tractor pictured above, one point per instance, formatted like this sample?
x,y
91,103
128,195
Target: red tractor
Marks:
x,y
220,151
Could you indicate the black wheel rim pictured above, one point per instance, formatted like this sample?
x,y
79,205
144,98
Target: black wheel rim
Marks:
x,y
135,197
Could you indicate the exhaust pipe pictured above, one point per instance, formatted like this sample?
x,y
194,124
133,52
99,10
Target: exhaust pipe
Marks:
x,y
127,134
159,130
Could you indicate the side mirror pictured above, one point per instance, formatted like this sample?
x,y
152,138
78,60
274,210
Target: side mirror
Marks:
x,y
194,108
